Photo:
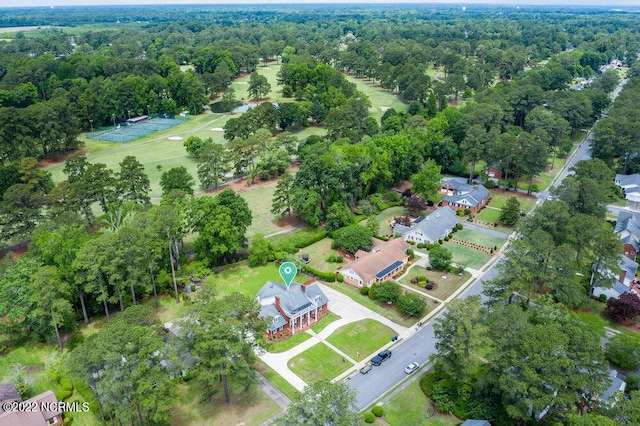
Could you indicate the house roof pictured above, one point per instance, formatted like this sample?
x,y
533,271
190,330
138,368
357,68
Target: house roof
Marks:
x,y
434,226
292,300
630,183
464,193
377,261
617,384
277,320
628,227
31,418
8,393
471,422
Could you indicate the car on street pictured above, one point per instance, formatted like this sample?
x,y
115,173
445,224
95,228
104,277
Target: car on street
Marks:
x,y
411,367
381,357
366,369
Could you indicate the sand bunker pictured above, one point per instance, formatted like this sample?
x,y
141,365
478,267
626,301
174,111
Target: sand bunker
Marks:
x,y
217,129
175,138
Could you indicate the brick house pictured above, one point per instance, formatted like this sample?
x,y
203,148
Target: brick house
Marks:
x,y
382,263
9,393
292,309
628,228
459,195
430,229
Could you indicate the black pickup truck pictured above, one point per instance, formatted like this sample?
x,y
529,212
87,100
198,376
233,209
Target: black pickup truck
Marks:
x,y
381,357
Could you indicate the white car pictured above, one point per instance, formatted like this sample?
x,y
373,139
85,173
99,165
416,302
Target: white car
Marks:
x,y
411,367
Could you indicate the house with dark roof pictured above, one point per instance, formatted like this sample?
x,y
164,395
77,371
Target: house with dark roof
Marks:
x,y
628,228
472,422
617,385
292,309
630,186
382,263
618,282
460,195
51,417
430,229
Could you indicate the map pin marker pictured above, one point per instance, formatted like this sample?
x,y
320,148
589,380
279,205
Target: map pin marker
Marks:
x,y
288,272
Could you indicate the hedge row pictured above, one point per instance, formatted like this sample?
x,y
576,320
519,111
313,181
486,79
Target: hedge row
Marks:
x,y
325,276
295,242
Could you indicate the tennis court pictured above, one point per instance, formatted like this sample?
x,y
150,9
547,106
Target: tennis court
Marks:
x,y
126,132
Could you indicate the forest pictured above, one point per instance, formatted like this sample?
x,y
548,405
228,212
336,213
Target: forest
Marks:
x,y
478,87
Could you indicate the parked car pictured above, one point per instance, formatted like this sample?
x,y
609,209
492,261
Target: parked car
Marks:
x,y
411,367
366,369
381,357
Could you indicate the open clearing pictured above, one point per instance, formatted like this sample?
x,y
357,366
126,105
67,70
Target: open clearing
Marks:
x,y
362,337
247,280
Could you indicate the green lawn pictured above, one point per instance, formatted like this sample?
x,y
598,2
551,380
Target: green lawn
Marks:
x,y
445,287
259,198
500,197
479,238
193,409
168,310
489,215
595,317
324,321
318,253
362,337
241,85
317,363
379,97
388,311
384,219
276,380
467,256
247,280
289,343
411,407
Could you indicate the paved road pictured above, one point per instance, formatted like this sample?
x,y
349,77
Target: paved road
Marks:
x,y
483,230
419,347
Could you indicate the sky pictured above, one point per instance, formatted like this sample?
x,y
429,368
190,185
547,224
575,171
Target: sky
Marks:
x,y
29,3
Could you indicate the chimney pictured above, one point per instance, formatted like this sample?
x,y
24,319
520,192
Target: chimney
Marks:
x,y
278,304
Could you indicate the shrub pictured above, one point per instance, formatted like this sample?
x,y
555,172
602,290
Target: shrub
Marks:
x,y
490,184
411,242
423,278
460,213
459,226
377,411
602,298
369,417
364,291
429,286
411,304
75,341
624,350
410,253
66,384
372,291
467,212
61,395
633,382
447,238
335,258
421,245
326,276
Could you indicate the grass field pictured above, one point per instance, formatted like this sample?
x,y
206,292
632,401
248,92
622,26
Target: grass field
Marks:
x,y
241,85
411,407
489,215
192,410
276,380
291,342
318,253
246,280
384,217
479,238
362,337
467,256
445,286
380,98
324,321
387,311
317,363
500,197
259,198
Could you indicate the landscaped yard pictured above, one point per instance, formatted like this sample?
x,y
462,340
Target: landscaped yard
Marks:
x,y
317,363
388,311
318,253
385,217
500,197
362,337
489,215
478,238
324,321
259,198
289,343
411,407
467,256
445,287
246,280
193,409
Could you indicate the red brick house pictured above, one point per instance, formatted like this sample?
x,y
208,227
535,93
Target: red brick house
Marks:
x,y
288,310
459,195
493,172
382,263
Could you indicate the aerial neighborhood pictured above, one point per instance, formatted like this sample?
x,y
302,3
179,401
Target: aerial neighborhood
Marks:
x,y
319,214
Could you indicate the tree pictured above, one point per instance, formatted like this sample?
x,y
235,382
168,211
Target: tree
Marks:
x,y
177,178
338,216
282,197
259,86
510,213
353,237
306,205
415,204
323,403
624,308
388,291
624,350
412,304
213,165
427,182
223,340
50,298
372,224
474,145
440,257
460,333
261,251
132,182
195,146
350,120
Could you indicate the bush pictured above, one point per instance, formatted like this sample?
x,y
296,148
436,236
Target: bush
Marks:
x,y
459,226
364,291
297,241
61,395
335,258
411,304
460,213
369,417
429,286
75,341
377,411
421,245
602,298
325,276
423,278
410,253
66,384
624,350
633,382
